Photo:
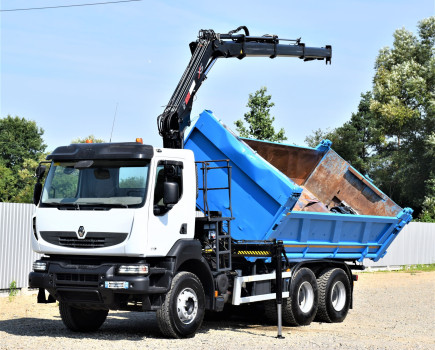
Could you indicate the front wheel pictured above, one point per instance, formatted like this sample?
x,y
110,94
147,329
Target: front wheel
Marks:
x,y
183,310
334,295
81,320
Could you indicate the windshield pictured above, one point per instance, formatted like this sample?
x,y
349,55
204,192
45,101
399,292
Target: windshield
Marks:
x,y
96,183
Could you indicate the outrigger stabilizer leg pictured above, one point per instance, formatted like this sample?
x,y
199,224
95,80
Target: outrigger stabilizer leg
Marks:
x,y
278,258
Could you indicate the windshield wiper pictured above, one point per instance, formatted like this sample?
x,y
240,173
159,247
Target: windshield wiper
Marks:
x,y
67,206
63,206
77,206
50,204
105,205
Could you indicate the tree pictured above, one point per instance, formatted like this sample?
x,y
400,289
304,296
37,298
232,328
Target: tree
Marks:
x,y
403,107
17,185
403,85
428,212
317,136
90,137
356,139
8,182
21,148
428,207
26,179
390,135
20,139
259,120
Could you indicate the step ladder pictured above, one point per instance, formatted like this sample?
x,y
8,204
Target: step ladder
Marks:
x,y
216,222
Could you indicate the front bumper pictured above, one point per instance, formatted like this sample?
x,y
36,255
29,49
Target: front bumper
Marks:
x,y
93,286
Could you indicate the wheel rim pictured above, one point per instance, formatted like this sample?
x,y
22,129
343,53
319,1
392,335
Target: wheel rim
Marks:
x,y
338,296
305,297
187,305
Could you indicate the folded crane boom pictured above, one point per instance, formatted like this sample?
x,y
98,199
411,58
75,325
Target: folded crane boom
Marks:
x,y
205,51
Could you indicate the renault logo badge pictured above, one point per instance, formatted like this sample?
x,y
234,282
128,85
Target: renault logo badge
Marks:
x,y
81,232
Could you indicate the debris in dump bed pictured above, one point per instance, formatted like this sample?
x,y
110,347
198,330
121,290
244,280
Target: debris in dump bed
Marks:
x,y
342,208
329,177
309,202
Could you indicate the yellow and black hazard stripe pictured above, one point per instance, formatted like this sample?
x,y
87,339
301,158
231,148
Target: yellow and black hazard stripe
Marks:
x,y
329,246
253,253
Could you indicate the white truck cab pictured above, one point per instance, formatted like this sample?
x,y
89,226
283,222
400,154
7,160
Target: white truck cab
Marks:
x,y
116,225
100,200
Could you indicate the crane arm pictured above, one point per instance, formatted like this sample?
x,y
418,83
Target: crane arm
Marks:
x,y
205,51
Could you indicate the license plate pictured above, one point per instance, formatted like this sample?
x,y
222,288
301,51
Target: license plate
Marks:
x,y
116,284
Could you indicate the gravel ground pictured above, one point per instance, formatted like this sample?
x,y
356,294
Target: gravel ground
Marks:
x,y
391,311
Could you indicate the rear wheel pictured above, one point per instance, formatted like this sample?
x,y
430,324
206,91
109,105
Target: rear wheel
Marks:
x,y
334,295
182,311
81,320
301,307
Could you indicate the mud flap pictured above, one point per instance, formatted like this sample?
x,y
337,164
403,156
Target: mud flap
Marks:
x,y
42,299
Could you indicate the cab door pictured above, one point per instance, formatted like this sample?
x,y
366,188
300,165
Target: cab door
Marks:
x,y
169,222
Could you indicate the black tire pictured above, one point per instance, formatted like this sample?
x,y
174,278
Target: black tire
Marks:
x,y
334,295
183,310
81,320
271,313
270,310
299,309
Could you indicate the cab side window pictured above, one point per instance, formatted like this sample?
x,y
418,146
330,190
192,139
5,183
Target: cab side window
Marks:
x,y
166,172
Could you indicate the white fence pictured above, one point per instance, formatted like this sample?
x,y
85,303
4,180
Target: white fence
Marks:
x,y
16,255
414,245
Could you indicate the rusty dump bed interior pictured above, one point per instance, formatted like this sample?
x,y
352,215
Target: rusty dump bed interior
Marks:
x,y
329,182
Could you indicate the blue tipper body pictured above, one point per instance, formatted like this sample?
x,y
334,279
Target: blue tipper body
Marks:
x,y
263,198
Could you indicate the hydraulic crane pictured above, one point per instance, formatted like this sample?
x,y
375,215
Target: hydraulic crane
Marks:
x,y
205,51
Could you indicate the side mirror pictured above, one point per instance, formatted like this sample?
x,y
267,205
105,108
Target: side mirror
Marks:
x,y
37,193
40,171
170,193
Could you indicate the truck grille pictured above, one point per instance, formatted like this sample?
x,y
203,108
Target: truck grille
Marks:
x,y
92,239
76,277
82,243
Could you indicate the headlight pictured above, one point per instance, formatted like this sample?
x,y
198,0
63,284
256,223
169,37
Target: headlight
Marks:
x,y
133,269
40,266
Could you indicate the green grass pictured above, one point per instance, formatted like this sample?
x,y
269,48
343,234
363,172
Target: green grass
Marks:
x,y
418,268
405,268
13,290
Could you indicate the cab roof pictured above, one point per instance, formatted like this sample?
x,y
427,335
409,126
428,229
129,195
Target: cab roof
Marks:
x,y
85,151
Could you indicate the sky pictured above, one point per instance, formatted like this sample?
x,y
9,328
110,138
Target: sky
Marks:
x,y
75,70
